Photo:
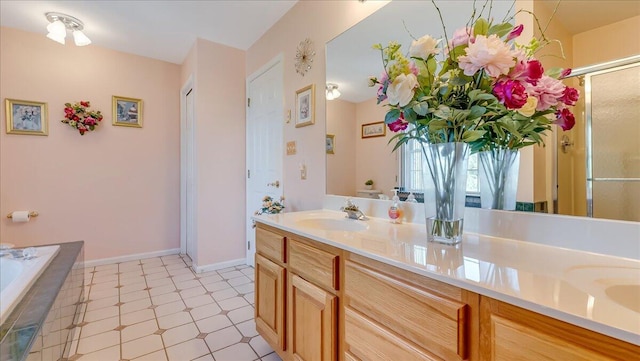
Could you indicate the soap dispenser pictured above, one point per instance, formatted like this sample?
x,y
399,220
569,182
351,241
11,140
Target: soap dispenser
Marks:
x,y
395,211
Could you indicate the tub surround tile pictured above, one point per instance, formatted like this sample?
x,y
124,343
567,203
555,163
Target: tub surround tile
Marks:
x,y
38,318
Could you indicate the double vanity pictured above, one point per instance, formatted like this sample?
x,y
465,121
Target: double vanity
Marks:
x,y
332,288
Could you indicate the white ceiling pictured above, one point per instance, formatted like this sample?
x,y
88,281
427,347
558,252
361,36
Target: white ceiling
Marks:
x,y
163,30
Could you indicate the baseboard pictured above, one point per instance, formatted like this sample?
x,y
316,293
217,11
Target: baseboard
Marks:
x,y
219,265
131,257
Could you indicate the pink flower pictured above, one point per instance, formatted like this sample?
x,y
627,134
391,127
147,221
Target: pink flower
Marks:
x,y
565,73
565,119
89,121
511,93
515,32
548,91
461,36
570,96
490,53
382,90
399,125
526,70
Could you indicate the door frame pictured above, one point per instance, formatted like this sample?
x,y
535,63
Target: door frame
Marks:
x,y
276,61
188,86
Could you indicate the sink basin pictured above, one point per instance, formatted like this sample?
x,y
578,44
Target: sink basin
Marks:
x,y
331,224
625,295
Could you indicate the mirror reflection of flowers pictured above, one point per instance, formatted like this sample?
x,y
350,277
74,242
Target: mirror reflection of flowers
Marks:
x,y
80,117
487,90
270,206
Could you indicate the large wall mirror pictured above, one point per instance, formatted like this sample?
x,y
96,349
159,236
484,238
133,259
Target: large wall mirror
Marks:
x,y
575,186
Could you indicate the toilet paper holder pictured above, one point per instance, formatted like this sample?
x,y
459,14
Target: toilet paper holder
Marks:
x,y
31,214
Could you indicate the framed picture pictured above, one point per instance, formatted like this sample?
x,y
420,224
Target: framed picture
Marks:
x,y
127,112
26,117
305,106
330,143
372,130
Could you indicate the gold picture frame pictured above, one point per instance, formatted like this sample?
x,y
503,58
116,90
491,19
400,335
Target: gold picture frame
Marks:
x,y
127,112
331,143
372,130
26,117
305,106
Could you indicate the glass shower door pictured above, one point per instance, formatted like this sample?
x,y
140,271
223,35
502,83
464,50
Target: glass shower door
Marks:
x,y
613,143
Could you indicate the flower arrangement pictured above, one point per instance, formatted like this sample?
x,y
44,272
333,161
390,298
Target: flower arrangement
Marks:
x,y
487,90
269,206
80,117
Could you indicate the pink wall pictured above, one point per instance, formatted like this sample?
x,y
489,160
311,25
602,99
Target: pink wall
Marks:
x,y
341,166
614,41
116,188
320,21
375,157
220,152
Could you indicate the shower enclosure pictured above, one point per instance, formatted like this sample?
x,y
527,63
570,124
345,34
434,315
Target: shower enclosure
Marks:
x,y
599,161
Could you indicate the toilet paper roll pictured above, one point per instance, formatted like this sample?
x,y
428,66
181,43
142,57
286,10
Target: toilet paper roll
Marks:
x,y
20,216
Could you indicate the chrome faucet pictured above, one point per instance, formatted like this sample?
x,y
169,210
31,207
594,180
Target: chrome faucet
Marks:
x,y
353,212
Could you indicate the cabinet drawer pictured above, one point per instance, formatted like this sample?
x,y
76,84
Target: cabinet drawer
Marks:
x,y
428,320
365,340
315,265
271,245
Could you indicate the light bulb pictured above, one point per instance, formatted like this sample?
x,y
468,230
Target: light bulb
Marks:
x,y
80,39
57,31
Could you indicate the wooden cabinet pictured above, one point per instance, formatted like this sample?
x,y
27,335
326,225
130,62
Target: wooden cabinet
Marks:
x,y
510,333
313,324
428,320
270,296
315,302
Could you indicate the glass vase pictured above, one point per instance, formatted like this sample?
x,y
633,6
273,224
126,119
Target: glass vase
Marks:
x,y
499,178
445,181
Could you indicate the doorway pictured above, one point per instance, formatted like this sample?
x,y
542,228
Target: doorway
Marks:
x,y
264,142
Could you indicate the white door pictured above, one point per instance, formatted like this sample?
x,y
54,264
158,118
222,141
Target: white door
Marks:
x,y
188,237
264,142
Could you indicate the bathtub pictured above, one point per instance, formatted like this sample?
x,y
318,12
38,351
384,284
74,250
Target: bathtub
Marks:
x,y
17,276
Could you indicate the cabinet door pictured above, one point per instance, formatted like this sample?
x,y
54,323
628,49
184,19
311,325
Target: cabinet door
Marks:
x,y
269,304
313,322
509,333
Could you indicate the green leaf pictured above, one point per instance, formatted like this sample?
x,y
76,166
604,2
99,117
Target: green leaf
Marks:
x,y
472,135
481,27
392,116
409,115
459,81
421,108
554,72
477,111
436,125
500,29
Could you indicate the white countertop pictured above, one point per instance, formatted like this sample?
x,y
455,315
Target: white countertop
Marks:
x,y
595,291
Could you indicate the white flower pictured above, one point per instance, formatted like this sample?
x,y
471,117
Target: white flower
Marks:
x,y
424,47
490,53
400,91
529,107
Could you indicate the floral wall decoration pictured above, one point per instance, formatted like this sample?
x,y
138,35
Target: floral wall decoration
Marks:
x,y
80,117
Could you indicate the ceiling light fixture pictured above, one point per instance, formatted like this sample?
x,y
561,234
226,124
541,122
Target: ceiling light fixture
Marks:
x,y
59,23
332,91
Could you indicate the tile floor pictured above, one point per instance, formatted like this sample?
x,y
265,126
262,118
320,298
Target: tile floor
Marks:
x,y
158,309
